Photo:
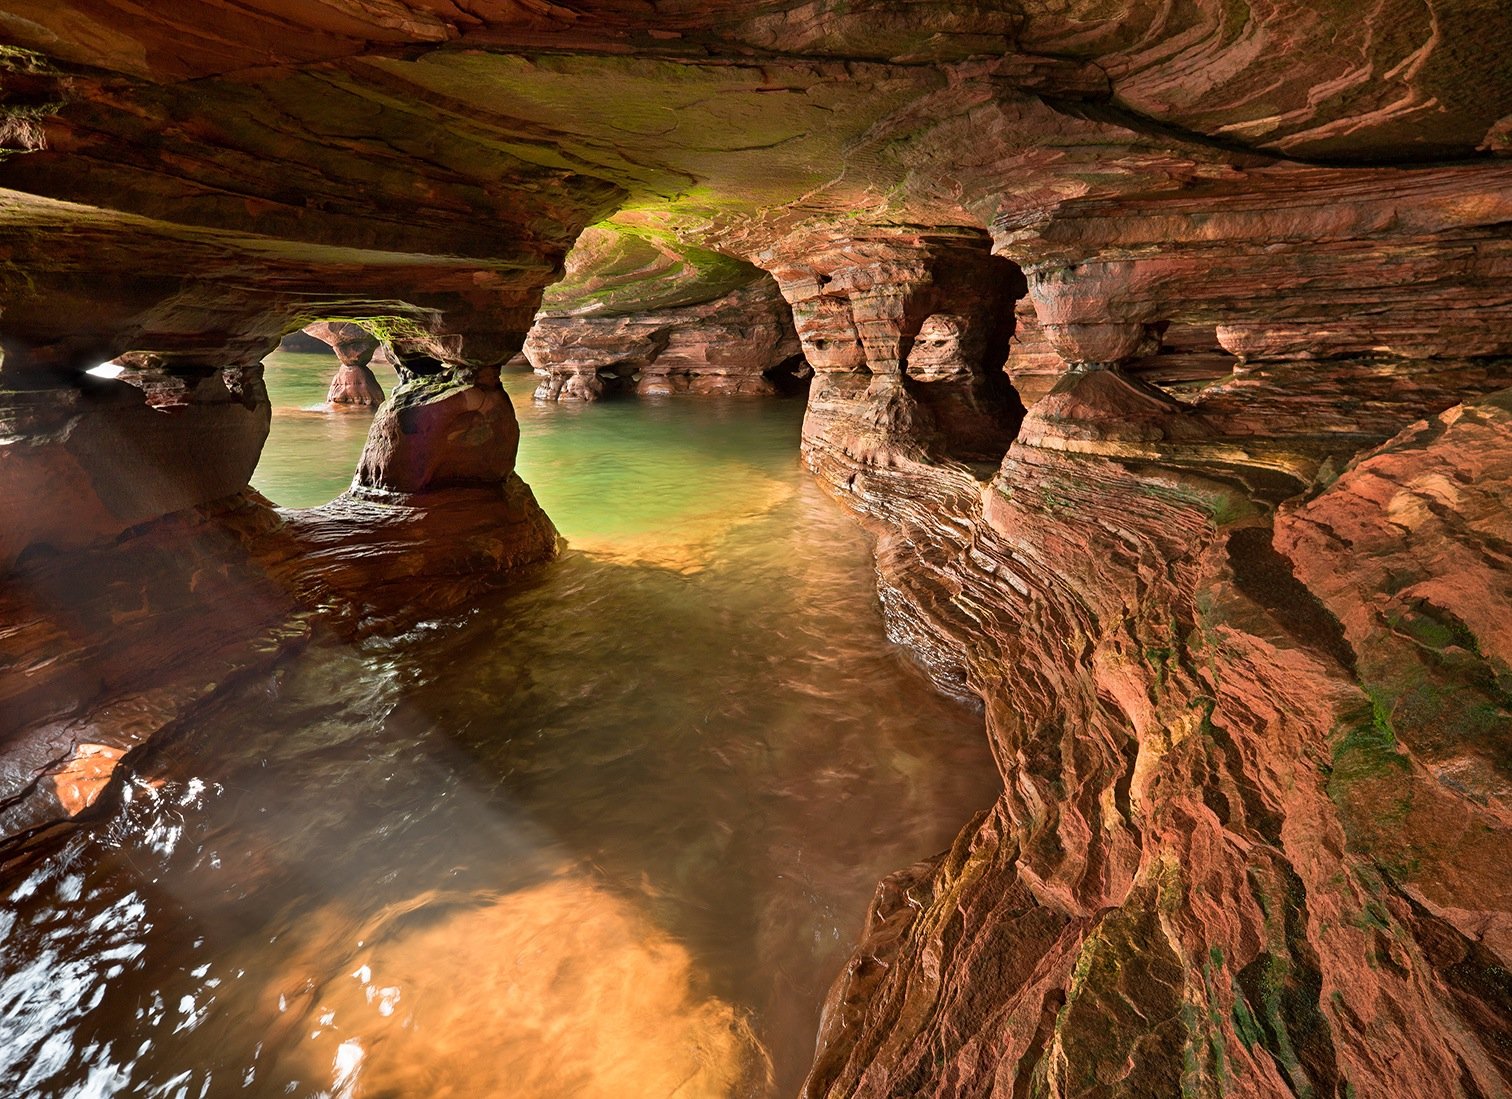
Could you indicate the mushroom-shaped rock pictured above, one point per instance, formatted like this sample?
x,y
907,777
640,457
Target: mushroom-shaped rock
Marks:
x,y
441,432
354,383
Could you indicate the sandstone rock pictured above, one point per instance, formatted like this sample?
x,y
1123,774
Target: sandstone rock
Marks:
x,y
354,383
1196,807
741,344
1405,551
1245,689
83,464
907,333
441,432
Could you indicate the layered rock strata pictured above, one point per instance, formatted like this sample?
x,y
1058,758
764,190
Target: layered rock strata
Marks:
x,y
741,344
907,331
1232,597
143,576
354,382
640,313
1253,736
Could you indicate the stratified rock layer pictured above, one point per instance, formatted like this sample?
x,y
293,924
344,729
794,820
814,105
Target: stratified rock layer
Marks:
x,y
1232,594
907,331
84,463
740,344
1245,845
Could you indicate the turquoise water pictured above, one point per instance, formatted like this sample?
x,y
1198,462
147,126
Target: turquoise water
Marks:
x,y
312,447
610,832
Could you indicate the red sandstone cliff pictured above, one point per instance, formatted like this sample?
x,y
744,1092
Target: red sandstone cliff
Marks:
x,y
1232,589
740,344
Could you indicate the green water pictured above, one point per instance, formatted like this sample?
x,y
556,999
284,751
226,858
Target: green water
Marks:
x,y
611,832
312,447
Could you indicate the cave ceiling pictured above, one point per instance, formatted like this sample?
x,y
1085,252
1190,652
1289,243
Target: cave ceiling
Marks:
x,y
355,137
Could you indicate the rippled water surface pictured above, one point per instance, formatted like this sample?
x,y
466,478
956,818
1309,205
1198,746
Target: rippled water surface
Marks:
x,y
609,833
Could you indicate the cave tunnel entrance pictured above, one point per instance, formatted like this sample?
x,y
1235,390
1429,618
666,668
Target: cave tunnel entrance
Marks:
x,y
1188,358
314,443
641,313
956,362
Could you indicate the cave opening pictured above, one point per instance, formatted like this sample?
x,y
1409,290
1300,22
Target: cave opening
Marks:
x,y
955,363
323,398
592,816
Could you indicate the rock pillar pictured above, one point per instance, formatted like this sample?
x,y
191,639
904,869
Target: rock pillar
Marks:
x,y
354,383
907,333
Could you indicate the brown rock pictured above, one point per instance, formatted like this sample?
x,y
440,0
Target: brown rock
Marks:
x,y
86,463
740,344
354,383
907,333
1249,709
439,432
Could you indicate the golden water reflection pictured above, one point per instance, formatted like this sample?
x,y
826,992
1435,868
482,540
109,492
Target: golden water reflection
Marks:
x,y
558,989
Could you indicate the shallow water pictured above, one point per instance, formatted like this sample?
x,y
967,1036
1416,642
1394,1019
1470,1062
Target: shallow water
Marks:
x,y
612,832
312,447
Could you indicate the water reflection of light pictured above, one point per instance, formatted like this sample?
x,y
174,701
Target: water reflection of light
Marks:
x,y
79,782
688,541
347,1064
557,989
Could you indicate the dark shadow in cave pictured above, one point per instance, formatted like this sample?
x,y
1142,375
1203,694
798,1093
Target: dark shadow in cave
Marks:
x,y
791,377
955,365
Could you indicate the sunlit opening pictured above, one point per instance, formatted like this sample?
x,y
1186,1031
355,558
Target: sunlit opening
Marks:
x,y
313,447
107,370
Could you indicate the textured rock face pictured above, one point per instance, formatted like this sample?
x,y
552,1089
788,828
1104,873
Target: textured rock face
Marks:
x,y
1234,597
84,463
144,596
1251,840
353,383
1253,833
907,333
741,344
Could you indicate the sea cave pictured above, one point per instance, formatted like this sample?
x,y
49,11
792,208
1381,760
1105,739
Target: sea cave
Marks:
x,y
831,549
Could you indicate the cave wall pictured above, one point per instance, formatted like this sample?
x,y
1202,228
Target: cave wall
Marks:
x,y
1165,349
740,344
639,312
1254,740
908,332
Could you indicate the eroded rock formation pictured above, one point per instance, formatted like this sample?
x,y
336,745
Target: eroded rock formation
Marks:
x,y
1252,834
1232,589
639,314
907,332
353,382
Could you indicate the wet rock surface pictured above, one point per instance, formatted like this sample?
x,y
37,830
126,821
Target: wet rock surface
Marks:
x,y
1212,862
741,344
353,382
1226,561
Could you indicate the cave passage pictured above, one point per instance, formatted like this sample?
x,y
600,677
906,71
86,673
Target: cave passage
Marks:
x,y
312,446
611,832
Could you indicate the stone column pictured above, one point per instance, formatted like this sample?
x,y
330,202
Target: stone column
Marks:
x,y
354,383
907,332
